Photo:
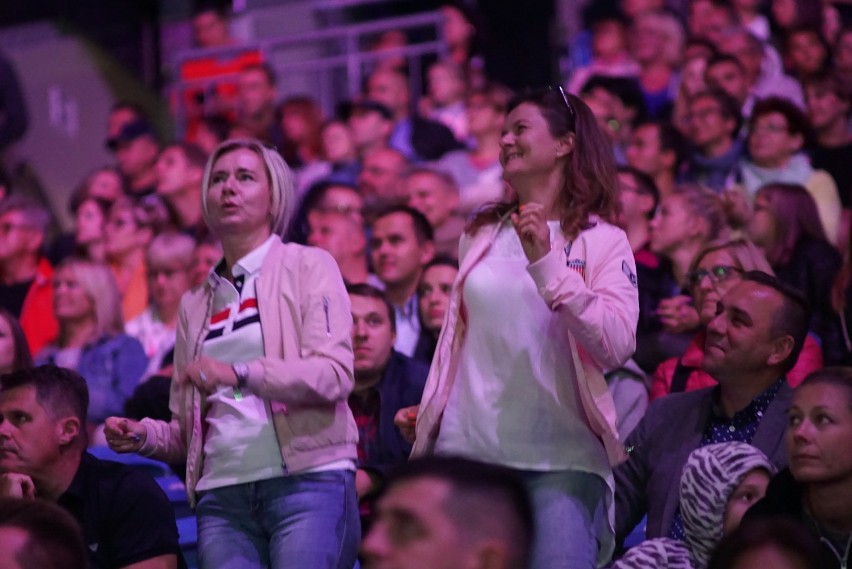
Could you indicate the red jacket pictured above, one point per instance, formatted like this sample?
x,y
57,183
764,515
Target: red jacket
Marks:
x,y
37,320
810,359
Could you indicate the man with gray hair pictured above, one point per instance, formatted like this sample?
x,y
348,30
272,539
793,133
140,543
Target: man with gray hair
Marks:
x,y
25,274
435,194
763,68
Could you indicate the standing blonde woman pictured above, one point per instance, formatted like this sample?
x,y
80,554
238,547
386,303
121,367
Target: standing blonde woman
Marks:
x,y
263,370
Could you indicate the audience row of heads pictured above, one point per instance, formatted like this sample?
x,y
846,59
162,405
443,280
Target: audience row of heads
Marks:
x,y
783,214
448,509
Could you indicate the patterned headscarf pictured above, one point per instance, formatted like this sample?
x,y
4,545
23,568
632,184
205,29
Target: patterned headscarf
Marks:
x,y
710,476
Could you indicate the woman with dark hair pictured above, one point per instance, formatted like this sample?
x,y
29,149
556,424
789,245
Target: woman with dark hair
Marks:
x,y
14,351
545,298
816,489
263,368
433,298
786,227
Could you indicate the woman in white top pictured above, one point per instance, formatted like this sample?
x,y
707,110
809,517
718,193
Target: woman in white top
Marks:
x,y
544,300
263,371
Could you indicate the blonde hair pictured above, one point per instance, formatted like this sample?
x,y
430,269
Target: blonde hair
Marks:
x,y
278,174
744,253
670,29
170,246
98,282
705,204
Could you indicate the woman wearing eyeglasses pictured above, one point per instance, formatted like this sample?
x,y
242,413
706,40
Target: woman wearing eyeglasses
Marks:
x,y
545,298
714,271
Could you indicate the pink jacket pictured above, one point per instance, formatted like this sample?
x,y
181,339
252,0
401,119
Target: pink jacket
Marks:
x,y
591,284
306,374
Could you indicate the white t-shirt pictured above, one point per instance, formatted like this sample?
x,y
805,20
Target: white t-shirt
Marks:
x,y
514,400
240,444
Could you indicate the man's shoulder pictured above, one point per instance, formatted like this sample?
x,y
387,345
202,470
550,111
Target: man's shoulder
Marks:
x,y
681,401
406,369
663,411
126,516
107,474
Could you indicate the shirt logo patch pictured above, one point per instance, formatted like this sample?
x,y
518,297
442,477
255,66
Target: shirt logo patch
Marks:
x,y
631,276
577,265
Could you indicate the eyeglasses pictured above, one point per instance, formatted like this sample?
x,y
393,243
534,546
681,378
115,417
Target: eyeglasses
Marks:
x,y
717,274
565,99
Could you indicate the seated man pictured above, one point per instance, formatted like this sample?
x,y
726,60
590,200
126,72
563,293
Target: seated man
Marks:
x,y
126,518
446,512
380,182
385,382
26,276
179,168
436,195
417,138
751,344
344,237
136,148
659,150
714,124
401,245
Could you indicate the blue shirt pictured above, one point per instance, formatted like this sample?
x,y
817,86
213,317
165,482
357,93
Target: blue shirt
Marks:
x,y
400,139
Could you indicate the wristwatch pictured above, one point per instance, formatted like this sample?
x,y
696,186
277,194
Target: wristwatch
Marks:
x,y
241,370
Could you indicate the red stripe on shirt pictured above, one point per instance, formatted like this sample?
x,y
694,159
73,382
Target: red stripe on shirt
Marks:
x,y
219,316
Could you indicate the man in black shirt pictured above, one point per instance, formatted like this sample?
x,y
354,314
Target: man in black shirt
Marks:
x,y
127,520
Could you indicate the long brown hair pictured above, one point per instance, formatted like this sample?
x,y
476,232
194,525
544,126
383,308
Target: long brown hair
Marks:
x,y
589,175
22,358
796,217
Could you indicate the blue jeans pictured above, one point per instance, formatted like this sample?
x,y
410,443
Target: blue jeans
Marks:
x,y
303,520
570,518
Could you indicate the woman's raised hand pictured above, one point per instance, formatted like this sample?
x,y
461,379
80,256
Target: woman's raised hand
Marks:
x,y
531,226
124,435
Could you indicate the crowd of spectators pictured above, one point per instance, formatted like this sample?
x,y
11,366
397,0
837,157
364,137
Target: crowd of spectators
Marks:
x,y
730,122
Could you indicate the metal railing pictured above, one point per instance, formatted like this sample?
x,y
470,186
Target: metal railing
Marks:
x,y
341,57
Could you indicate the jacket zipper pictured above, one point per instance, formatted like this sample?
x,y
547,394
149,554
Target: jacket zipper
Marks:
x,y
327,321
